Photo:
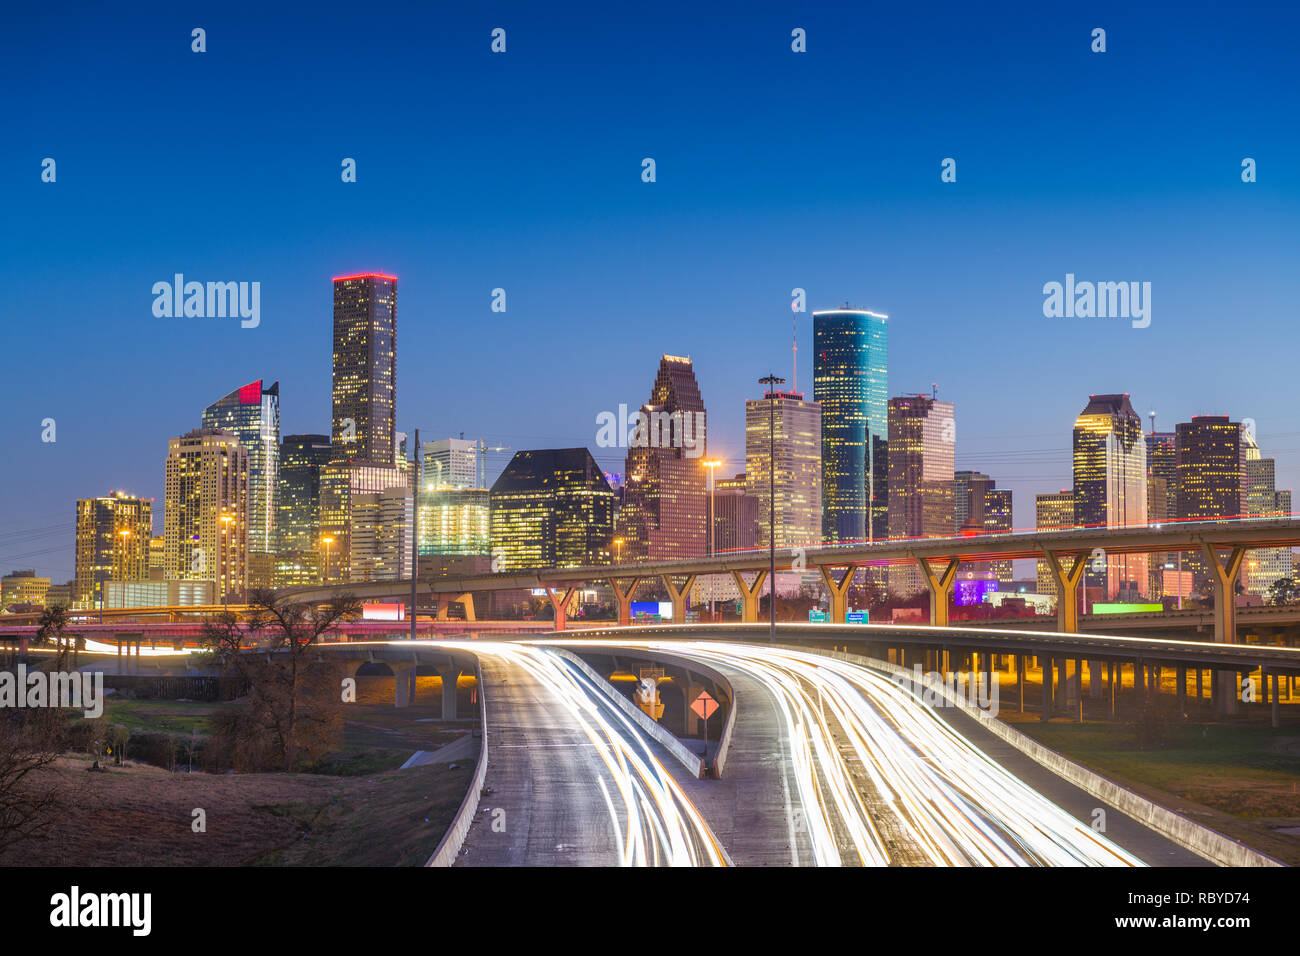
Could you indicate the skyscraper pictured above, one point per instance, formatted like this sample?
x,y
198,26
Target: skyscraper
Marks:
x,y
303,458
1052,512
922,451
1264,566
849,382
1211,476
665,504
382,544
252,414
205,515
735,515
798,484
451,463
113,533
454,521
980,507
365,368
1110,488
551,508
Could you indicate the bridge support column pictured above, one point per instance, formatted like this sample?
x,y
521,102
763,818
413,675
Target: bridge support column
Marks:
x,y
623,595
1276,712
678,596
1020,680
940,586
1114,672
837,590
1182,690
1095,688
560,598
1224,575
1078,688
450,675
1045,663
749,595
403,678
1067,588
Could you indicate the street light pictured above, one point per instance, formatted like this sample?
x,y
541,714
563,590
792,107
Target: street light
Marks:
x,y
327,541
618,549
225,556
771,381
117,570
711,464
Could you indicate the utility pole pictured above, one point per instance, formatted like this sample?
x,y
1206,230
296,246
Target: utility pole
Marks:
x,y
771,381
415,530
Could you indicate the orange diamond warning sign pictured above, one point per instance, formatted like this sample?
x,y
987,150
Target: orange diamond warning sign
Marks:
x,y
704,705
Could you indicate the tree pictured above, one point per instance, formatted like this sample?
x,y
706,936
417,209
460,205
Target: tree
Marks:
x,y
1282,591
50,627
29,802
287,693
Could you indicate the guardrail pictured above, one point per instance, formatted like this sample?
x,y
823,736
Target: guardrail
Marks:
x,y
454,838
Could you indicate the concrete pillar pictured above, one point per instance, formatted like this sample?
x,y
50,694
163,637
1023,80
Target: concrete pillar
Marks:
x,y
1115,673
940,586
1224,576
1067,588
1182,690
1078,688
679,596
1200,677
1095,689
1046,667
402,674
1020,680
450,674
1276,712
560,597
624,588
749,595
837,590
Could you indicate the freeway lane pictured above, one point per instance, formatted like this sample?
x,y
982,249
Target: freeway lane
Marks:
x,y
570,779
879,778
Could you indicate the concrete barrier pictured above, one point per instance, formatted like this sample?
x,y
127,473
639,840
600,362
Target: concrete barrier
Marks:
x,y
1189,834
454,838
693,763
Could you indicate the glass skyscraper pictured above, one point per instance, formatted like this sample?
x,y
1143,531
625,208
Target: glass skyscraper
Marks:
x,y
364,425
849,382
252,414
552,508
302,458
1110,487
798,484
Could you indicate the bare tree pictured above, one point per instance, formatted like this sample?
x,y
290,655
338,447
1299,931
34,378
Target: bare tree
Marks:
x,y
284,692
30,799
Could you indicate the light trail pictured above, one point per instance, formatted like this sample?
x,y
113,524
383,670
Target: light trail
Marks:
x,y
954,804
654,822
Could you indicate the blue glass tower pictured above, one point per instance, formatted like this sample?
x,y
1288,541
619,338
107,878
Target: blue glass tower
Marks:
x,y
849,380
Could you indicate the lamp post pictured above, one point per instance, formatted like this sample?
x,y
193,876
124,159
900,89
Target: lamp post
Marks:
x,y
711,464
771,381
225,557
327,541
618,549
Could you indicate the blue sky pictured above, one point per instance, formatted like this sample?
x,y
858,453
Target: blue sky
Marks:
x,y
522,171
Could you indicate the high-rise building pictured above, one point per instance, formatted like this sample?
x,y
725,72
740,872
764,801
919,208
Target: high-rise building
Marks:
x,y
157,557
665,504
382,543
980,507
113,533
850,363
798,480
1211,477
1264,566
364,427
23,587
922,452
252,414
1162,504
451,463
340,483
302,460
1052,512
551,508
735,515
1110,489
454,521
205,515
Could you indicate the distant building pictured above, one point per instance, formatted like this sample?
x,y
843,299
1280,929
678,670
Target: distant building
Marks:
x,y
922,451
551,508
1052,512
850,362
665,504
1211,477
1264,566
205,515
980,507
113,533
454,521
1110,489
62,595
341,483
23,587
798,484
302,459
382,543
735,515
364,425
127,594
252,414
157,557
451,463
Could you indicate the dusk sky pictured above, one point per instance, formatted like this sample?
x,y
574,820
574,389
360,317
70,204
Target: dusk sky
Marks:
x,y
522,170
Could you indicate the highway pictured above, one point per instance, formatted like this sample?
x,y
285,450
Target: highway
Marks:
x,y
570,778
878,778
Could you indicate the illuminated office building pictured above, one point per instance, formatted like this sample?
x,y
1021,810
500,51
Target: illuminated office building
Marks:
x,y
451,463
364,427
252,414
1211,476
382,543
454,521
551,508
849,383
1263,567
205,513
302,460
23,587
340,483
113,533
1162,505
1052,512
980,507
922,452
1110,489
798,484
735,515
157,556
665,502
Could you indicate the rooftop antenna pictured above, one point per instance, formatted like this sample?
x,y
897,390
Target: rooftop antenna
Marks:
x,y
1152,415
794,350
934,390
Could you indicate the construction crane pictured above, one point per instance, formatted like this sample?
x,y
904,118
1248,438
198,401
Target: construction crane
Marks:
x,y
482,458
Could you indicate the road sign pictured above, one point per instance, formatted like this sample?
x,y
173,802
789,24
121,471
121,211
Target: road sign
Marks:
x,y
816,617
704,705
856,617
